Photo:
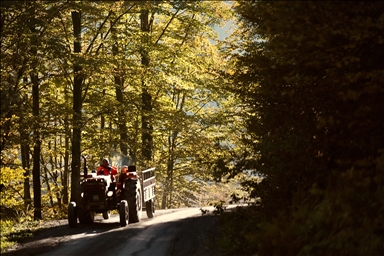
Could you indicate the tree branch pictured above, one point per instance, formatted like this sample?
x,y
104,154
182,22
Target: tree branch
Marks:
x,y
112,25
169,22
98,32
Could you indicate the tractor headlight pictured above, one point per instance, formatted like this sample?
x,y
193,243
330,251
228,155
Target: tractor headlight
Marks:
x,y
109,193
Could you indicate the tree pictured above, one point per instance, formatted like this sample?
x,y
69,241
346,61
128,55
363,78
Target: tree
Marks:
x,y
77,105
146,126
13,67
119,82
34,77
308,77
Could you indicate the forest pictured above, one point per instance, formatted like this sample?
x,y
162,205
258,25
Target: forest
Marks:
x,y
289,108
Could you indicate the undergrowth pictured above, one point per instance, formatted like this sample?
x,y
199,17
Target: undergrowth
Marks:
x,y
19,225
332,221
238,231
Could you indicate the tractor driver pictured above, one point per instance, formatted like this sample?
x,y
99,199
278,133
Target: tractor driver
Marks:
x,y
106,169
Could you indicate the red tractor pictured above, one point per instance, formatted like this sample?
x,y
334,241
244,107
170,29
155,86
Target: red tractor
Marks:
x,y
128,192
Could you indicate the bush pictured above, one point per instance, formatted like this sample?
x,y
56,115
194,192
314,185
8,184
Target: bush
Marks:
x,y
13,232
239,231
346,219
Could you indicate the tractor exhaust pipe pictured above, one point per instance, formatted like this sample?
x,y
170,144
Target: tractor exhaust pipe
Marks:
x,y
85,167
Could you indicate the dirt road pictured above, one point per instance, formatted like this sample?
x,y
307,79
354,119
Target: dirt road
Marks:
x,y
170,232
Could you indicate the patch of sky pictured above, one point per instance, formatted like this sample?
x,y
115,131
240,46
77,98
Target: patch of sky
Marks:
x,y
226,30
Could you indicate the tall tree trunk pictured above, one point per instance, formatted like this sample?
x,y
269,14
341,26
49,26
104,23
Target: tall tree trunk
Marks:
x,y
102,120
122,122
77,107
25,159
134,147
53,167
164,197
147,140
26,165
36,124
56,175
179,101
56,162
167,193
102,143
121,118
66,159
36,148
46,179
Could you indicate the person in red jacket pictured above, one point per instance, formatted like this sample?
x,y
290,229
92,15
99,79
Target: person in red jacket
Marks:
x,y
106,169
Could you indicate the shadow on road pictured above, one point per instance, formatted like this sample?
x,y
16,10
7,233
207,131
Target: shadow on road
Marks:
x,y
41,240
190,236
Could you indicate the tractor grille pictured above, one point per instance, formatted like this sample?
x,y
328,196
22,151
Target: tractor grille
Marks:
x,y
94,194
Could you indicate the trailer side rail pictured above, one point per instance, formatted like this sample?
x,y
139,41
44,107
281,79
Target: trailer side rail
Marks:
x,y
149,183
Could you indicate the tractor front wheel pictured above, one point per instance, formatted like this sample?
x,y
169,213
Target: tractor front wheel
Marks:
x,y
106,215
85,216
72,216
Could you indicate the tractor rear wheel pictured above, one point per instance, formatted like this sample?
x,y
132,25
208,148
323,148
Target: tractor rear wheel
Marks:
x,y
72,216
124,213
150,208
132,193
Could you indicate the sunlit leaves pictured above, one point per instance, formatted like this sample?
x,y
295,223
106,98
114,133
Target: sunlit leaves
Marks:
x,y
183,78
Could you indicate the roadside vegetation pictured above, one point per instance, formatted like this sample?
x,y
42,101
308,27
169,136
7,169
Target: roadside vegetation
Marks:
x,y
288,109
310,78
